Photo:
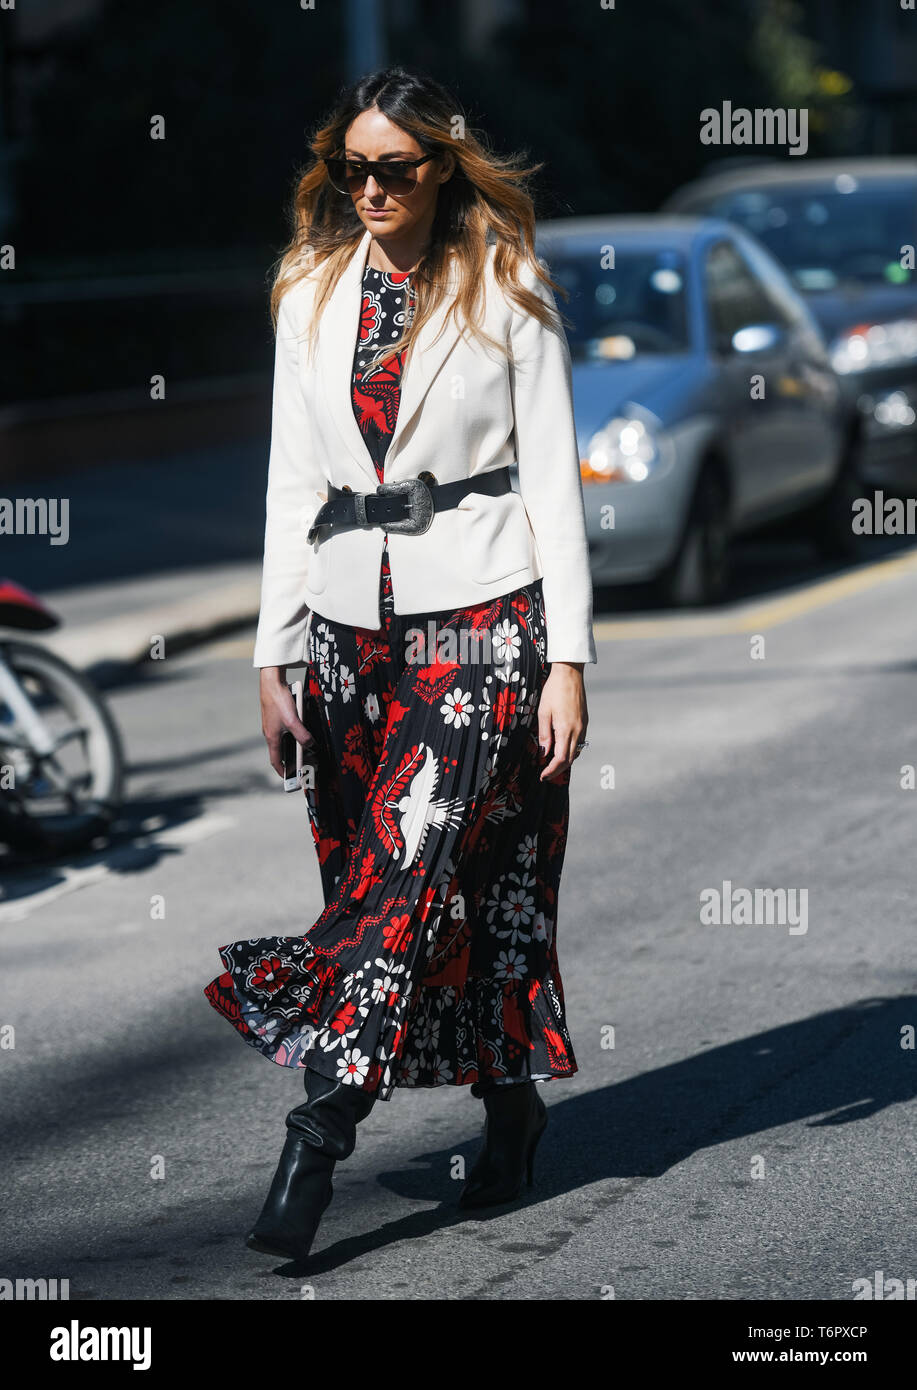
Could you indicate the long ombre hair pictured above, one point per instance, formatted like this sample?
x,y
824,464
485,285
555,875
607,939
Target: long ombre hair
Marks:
x,y
486,197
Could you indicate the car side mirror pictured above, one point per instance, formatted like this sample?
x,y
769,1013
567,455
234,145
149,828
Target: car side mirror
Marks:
x,y
758,337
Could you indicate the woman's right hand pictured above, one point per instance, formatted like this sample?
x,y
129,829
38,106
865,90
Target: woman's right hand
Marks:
x,y
278,712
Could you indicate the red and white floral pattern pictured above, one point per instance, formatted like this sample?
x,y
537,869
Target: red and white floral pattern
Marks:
x,y
440,849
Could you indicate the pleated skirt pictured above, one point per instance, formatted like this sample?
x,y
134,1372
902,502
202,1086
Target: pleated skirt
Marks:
x,y
440,849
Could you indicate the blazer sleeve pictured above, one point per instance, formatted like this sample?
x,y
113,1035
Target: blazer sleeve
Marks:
x,y
547,454
291,503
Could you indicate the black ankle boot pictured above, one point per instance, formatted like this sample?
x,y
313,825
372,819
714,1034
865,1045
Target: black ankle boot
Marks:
x,y
516,1120
319,1133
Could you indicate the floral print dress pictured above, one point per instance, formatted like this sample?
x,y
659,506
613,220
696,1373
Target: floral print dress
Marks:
x,y
440,849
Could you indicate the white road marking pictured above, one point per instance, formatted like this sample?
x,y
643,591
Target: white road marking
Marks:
x,y
191,831
96,867
225,648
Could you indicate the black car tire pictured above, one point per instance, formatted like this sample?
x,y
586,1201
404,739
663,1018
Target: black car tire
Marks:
x,y
699,573
830,522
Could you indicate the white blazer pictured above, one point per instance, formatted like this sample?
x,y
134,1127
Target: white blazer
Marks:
x,y
464,409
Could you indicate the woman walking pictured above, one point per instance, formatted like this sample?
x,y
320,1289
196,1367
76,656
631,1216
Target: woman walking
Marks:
x,y
444,618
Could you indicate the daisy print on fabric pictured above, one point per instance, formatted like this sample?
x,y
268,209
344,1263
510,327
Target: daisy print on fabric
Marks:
x,y
457,707
511,908
507,642
353,1067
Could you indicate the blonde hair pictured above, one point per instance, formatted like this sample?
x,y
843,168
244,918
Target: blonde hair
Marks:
x,y
485,196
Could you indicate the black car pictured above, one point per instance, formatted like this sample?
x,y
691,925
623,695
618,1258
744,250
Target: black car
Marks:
x,y
846,232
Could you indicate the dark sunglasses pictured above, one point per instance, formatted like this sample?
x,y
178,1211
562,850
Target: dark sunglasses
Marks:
x,y
397,176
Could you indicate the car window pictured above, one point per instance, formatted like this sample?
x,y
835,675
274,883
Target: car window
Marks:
x,y
636,306
735,297
789,308
826,237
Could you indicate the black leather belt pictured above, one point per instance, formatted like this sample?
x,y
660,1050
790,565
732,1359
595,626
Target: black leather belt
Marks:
x,y
408,505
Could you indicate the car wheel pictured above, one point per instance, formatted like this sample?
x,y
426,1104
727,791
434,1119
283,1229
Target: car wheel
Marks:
x,y
699,574
831,520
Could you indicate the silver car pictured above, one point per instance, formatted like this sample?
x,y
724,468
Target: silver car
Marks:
x,y
705,402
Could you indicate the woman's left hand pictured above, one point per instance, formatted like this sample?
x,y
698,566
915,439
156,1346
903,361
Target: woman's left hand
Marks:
x,y
562,717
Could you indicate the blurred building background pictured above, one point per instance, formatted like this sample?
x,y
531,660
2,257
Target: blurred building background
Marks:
x,y
136,256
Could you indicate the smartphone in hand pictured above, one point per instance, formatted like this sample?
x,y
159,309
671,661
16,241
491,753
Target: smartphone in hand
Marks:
x,y
290,750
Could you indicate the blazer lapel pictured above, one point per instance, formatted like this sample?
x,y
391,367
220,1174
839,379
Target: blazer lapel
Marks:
x,y
337,343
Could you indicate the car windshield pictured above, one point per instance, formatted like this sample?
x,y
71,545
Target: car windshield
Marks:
x,y
637,305
827,238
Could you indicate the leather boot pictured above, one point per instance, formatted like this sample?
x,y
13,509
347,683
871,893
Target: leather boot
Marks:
x,y
319,1133
516,1120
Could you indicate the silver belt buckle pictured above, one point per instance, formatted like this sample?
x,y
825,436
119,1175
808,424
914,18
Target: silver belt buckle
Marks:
x,y
420,500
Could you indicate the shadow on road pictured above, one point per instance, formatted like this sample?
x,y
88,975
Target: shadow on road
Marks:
x,y
637,1129
836,1068
139,838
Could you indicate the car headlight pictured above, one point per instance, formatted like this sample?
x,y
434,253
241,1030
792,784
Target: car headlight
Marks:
x,y
623,451
868,345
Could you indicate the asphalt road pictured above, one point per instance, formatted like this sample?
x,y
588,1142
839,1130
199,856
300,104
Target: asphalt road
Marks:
x,y
749,1134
